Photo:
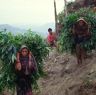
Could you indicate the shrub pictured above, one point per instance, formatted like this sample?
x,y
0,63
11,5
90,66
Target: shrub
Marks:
x,y
9,45
66,41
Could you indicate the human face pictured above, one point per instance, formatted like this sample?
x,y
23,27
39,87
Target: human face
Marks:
x,y
81,23
50,32
24,52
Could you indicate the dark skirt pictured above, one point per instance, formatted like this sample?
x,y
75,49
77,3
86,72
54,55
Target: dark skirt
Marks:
x,y
24,85
78,40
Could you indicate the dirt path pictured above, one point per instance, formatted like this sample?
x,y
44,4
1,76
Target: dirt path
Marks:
x,y
65,77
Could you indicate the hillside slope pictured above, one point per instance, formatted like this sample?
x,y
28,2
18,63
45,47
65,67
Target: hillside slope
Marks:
x,y
65,77
12,29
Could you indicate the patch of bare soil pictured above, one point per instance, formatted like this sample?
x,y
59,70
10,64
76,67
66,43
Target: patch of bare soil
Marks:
x,y
65,77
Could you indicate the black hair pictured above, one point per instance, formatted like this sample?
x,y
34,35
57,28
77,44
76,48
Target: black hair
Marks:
x,y
49,29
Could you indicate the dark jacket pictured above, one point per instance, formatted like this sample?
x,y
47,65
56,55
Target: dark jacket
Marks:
x,y
81,33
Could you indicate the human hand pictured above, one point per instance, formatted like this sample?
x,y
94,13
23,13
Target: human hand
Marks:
x,y
18,66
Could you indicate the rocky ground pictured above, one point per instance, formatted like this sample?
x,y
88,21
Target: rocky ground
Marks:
x,y
65,77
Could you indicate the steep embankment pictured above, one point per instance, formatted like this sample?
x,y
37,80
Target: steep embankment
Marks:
x,y
65,77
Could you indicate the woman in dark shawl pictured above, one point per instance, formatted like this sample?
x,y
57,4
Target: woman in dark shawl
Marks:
x,y
25,66
81,34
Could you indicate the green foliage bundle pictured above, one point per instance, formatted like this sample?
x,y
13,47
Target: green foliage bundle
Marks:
x,y
66,41
9,45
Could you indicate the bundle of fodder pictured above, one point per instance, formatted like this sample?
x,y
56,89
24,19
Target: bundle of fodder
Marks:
x,y
66,41
9,45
